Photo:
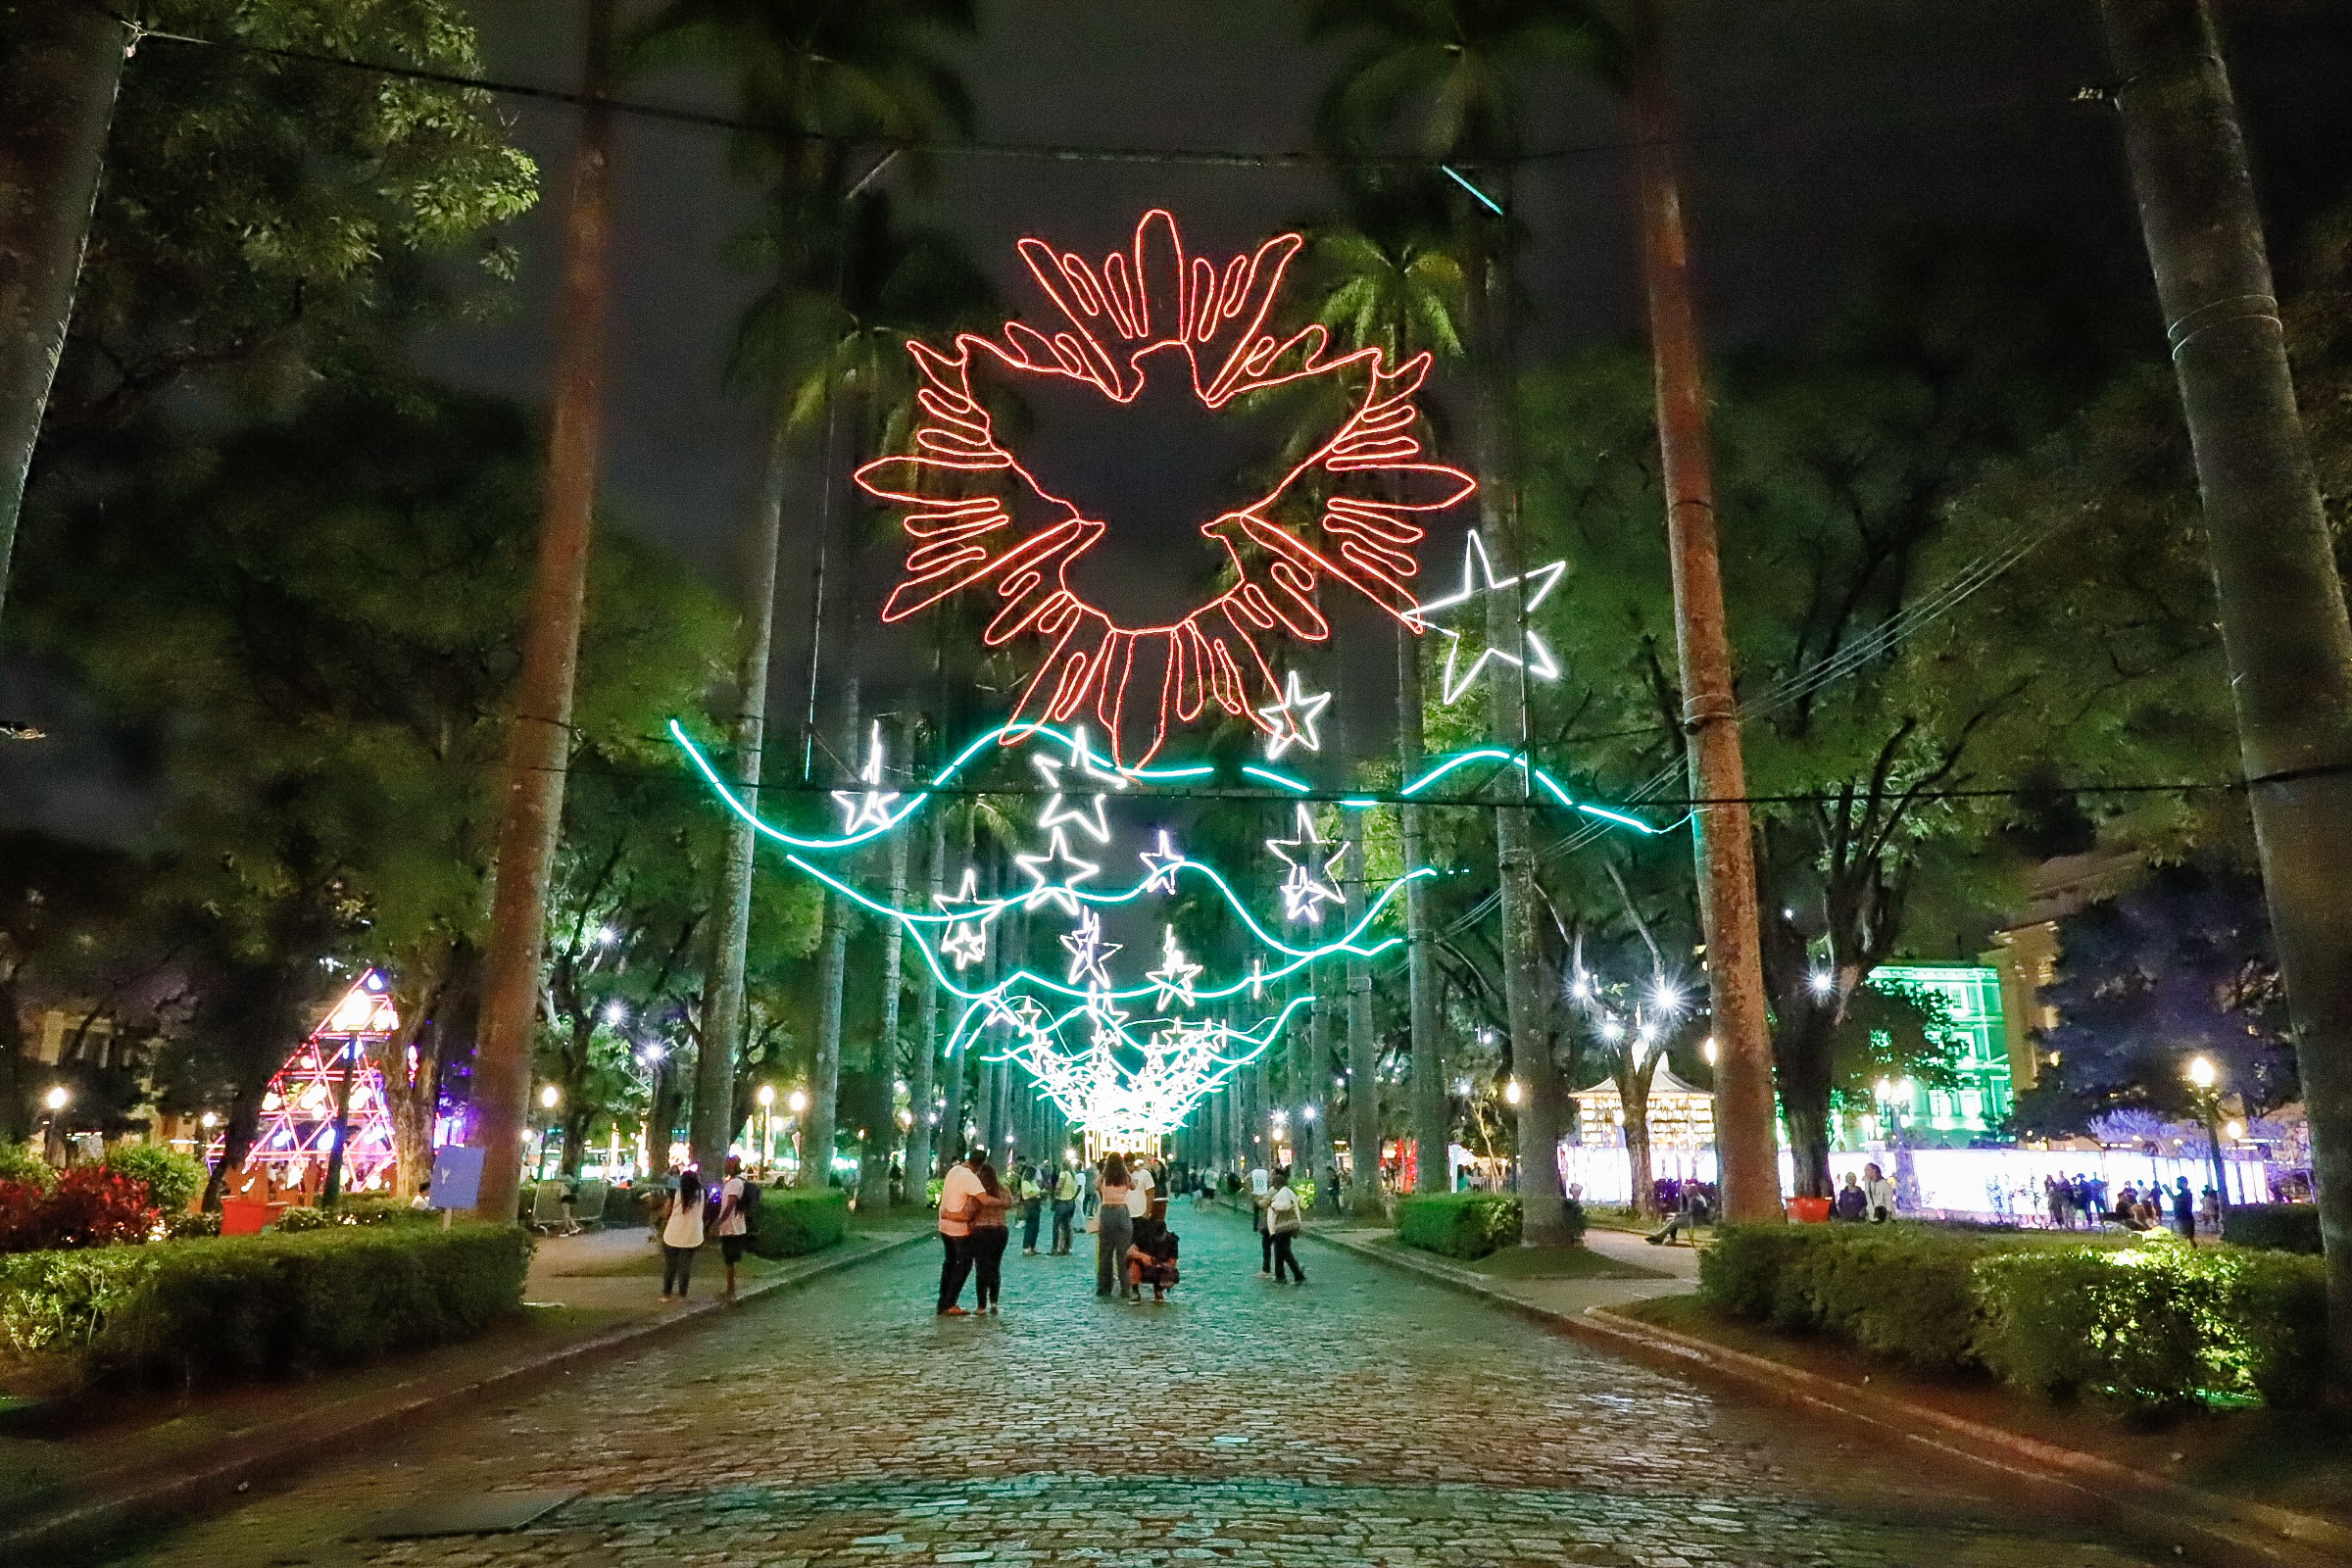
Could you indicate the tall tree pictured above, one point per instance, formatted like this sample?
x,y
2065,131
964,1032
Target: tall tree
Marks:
x,y
538,746
58,68
2284,622
1451,77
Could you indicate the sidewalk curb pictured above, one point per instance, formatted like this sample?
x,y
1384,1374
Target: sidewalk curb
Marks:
x,y
2200,1526
273,1453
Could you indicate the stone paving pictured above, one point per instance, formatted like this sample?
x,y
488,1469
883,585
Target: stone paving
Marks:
x,y
1366,1419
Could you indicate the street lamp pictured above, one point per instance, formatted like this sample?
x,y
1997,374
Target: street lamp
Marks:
x,y
767,1123
549,1099
1511,1092
57,1097
2205,1080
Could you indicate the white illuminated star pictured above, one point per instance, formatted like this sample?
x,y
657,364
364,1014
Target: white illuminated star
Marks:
x,y
1293,717
966,941
1478,582
1176,973
1160,865
1088,817
1088,950
1307,886
1055,875
872,805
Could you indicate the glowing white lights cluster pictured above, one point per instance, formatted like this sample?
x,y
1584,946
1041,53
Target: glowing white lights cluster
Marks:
x,y
1129,1086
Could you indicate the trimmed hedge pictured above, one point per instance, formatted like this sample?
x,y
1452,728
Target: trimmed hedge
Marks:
x,y
226,1308
2154,1324
1463,1225
791,1223
2279,1226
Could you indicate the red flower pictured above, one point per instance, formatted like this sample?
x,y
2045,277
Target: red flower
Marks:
x,y
979,518
91,1206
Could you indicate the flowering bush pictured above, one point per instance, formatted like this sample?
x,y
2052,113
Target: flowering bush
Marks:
x,y
89,1207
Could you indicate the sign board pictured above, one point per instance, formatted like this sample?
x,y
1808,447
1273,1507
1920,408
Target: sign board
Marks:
x,y
456,1177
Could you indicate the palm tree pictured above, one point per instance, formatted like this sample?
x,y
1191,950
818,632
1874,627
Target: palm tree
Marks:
x,y
1454,66
811,79
1394,282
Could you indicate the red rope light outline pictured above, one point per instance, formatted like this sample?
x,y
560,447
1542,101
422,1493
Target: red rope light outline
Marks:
x,y
956,488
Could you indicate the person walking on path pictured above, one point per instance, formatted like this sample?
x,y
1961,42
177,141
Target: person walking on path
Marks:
x,y
1283,1224
1260,1184
956,1210
736,1195
1115,1226
681,1235
1066,1206
1032,1208
990,1234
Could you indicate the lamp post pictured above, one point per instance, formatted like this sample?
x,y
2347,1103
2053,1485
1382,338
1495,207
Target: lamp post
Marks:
x,y
798,1101
2205,1080
767,1124
549,1099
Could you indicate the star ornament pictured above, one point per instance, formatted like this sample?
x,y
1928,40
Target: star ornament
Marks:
x,y
1055,875
1159,865
1467,605
1087,951
1088,818
1310,884
1290,720
1176,973
966,941
870,806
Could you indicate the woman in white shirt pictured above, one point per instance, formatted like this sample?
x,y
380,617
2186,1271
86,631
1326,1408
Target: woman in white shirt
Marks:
x,y
1284,1221
681,1235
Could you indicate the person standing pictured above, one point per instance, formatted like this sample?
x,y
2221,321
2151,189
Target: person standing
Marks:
x,y
1032,1208
955,1211
1260,1184
681,1236
990,1234
1877,1194
735,1198
1144,1198
1115,1226
1283,1224
2184,1209
1065,1208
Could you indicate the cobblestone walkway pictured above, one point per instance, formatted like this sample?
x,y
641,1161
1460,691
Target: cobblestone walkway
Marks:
x,y
1367,1418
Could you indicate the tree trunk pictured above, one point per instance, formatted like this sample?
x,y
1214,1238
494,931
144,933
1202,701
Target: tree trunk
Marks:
x,y
730,935
881,1116
1429,1119
1723,835
58,71
1363,1046
921,1139
430,998
2282,606
1633,1091
538,746
824,1087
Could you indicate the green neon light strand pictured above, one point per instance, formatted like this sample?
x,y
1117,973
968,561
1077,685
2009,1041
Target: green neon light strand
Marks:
x,y
1541,778
1266,776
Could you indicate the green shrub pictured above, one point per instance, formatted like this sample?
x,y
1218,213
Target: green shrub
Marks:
x,y
2156,1323
1463,1225
221,1310
19,1163
2278,1227
791,1223
172,1178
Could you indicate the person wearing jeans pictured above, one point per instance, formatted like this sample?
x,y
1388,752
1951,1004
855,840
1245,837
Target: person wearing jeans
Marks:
x,y
1115,1231
681,1235
1065,1206
957,1206
987,1240
1283,1222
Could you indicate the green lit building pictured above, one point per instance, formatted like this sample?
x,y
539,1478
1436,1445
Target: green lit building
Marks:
x,y
1971,994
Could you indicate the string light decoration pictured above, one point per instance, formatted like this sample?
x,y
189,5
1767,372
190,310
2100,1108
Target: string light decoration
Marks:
x,y
869,808
1291,718
297,1124
1310,882
1176,973
980,518
1468,603
966,937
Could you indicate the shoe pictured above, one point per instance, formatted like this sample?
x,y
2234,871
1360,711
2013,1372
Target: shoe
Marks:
x,y
991,1309
954,1311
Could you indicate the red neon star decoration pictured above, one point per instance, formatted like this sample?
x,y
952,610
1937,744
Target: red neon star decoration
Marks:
x,y
979,518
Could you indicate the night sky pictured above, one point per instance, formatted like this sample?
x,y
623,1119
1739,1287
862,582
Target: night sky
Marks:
x,y
1818,127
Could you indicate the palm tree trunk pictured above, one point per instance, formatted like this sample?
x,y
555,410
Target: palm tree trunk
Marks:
x,y
921,1139
713,1123
59,72
2283,607
824,1087
882,1121
538,747
1363,1044
1421,960
1722,834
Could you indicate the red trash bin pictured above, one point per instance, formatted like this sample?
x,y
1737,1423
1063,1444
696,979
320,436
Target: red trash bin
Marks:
x,y
1809,1210
242,1216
